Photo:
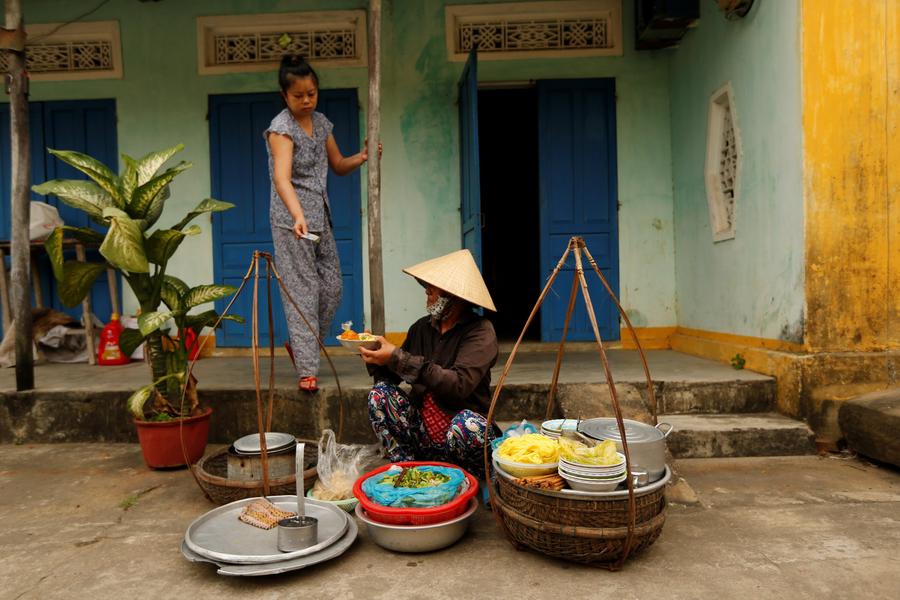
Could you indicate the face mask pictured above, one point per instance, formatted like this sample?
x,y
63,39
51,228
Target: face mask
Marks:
x,y
438,308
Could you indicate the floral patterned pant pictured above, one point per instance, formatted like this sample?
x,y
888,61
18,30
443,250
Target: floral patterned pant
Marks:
x,y
398,424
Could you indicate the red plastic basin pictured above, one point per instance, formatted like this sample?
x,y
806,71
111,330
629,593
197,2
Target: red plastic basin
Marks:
x,y
415,516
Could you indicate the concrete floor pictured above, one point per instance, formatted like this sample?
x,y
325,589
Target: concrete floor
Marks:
x,y
236,372
804,527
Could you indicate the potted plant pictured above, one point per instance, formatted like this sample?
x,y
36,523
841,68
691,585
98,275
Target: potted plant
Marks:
x,y
167,410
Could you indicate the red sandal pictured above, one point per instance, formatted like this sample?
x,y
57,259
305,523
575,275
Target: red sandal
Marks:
x,y
308,384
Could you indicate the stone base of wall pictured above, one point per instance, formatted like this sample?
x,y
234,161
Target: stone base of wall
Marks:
x,y
810,385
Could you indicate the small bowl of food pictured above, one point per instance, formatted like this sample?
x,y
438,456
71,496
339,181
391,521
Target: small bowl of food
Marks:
x,y
354,341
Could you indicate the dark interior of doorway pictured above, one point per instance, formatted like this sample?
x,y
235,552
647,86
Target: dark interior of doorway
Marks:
x,y
508,156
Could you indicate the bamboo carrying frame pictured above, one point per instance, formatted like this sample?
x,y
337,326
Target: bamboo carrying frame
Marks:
x,y
598,537
220,489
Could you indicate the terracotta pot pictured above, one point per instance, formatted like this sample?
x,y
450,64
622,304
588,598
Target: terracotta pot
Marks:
x,y
161,440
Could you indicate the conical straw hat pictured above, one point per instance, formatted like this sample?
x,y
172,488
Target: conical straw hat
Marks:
x,y
457,274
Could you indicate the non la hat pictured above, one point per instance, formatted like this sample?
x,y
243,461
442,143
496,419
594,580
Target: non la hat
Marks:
x,y
455,273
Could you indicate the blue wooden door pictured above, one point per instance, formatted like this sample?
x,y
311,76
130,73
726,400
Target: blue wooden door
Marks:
x,y
239,170
87,126
577,156
469,174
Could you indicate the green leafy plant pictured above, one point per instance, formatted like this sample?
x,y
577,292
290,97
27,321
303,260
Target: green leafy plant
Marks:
x,y
738,361
128,206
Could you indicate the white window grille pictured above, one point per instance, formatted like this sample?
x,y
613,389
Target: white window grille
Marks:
x,y
723,164
235,43
535,29
84,50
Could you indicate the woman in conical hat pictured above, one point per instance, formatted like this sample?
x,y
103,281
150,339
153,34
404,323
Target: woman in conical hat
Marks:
x,y
446,358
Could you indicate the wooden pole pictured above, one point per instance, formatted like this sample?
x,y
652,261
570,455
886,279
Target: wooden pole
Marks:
x,y
17,83
376,274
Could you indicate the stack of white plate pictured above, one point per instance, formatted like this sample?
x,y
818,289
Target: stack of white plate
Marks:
x,y
553,429
593,478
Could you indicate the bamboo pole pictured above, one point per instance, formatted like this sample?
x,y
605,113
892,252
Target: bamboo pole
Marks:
x,y
17,83
376,274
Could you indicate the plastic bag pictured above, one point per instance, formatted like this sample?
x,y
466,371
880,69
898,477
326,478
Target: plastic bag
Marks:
x,y
340,465
43,219
404,497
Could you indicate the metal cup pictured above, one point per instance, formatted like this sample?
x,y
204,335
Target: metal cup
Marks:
x,y
297,533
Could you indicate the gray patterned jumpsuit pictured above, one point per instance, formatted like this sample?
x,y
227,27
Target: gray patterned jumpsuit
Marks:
x,y
310,270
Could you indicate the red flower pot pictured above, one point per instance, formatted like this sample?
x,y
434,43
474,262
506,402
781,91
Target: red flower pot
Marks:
x,y
161,440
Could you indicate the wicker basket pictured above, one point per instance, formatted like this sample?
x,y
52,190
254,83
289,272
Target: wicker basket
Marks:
x,y
211,473
601,546
583,530
545,505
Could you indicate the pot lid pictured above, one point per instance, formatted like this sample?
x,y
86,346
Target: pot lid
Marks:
x,y
608,429
249,444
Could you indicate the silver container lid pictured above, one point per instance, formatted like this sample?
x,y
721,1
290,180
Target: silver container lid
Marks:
x,y
608,429
249,444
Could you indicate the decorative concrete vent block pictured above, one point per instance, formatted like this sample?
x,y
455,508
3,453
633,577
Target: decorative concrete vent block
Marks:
x,y
723,164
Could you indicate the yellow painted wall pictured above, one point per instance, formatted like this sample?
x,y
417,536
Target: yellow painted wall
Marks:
x,y
850,118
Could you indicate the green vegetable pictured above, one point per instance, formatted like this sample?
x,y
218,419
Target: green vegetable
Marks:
x,y
415,478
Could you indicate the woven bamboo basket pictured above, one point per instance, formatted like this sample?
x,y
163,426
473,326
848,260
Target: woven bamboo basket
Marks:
x,y
601,546
211,474
601,531
554,507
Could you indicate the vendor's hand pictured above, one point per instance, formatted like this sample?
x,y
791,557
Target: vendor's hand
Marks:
x,y
380,356
300,227
365,152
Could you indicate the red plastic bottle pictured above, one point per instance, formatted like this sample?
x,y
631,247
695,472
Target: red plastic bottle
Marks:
x,y
109,352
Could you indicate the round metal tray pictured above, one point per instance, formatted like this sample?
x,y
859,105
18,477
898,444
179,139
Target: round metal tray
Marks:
x,y
275,441
332,551
613,495
219,534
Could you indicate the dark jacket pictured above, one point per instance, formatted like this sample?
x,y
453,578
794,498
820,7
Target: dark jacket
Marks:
x,y
455,366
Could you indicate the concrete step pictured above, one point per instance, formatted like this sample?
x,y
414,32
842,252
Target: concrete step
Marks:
x,y
760,434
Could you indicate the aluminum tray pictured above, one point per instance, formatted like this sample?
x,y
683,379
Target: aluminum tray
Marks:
x,y
275,441
579,495
284,566
219,534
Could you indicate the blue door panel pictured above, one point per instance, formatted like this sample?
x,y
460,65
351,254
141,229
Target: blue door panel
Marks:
x,y
469,168
87,126
342,108
240,175
578,196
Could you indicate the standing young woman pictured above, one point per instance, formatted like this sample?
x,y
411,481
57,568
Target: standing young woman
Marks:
x,y
301,148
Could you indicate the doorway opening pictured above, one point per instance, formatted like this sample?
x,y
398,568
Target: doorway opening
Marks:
x,y
508,157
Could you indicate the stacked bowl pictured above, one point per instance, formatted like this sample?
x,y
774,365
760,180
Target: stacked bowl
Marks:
x,y
553,429
593,478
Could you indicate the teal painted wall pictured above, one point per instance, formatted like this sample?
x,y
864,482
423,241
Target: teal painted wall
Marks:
x,y
162,100
421,189
753,284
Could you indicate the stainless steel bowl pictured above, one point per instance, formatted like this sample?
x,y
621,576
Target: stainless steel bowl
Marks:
x,y
417,538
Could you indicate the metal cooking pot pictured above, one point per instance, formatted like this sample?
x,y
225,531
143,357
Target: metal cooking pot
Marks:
x,y
646,444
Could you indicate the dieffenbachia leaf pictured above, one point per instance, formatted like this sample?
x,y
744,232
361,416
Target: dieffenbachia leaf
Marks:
x,y
124,245
151,321
86,196
164,242
54,244
205,206
94,169
129,340
206,293
138,399
148,165
144,195
78,277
